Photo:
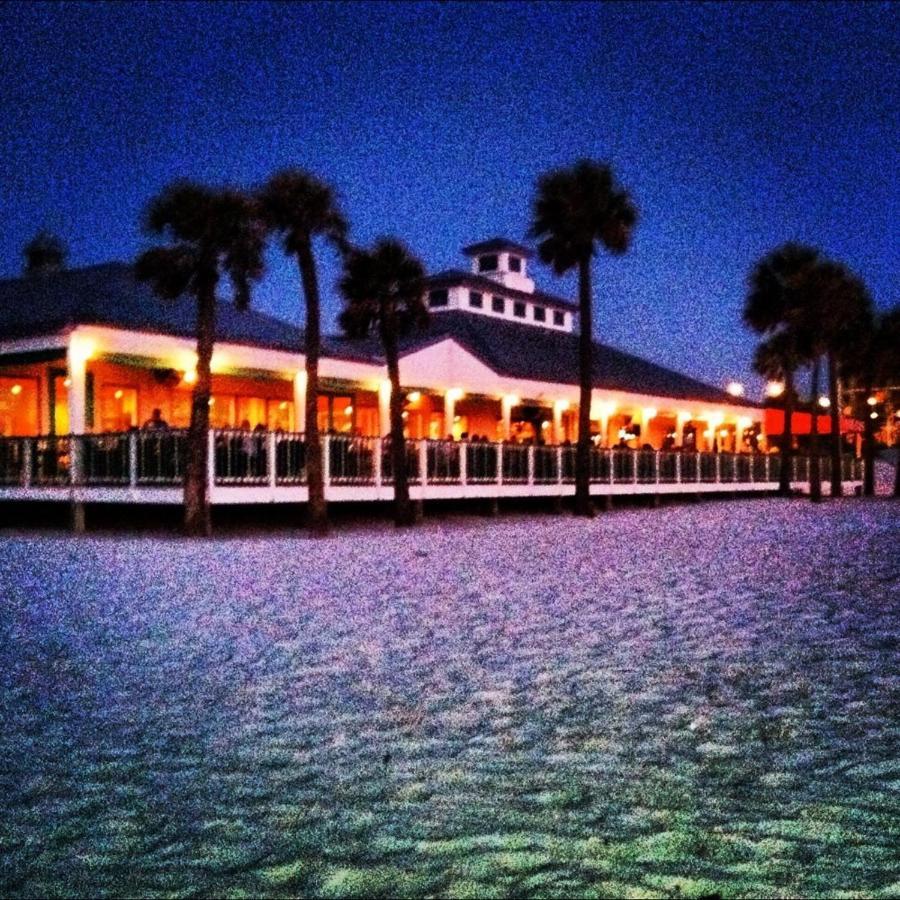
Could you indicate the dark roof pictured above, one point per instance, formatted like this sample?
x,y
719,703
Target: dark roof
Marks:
x,y
532,353
109,294
497,245
454,277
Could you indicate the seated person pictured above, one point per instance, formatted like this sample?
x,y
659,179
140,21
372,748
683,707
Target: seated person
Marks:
x,y
156,422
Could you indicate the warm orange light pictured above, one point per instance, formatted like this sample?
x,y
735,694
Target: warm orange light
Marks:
x,y
190,376
16,389
118,395
872,401
775,388
455,394
545,424
348,411
414,396
67,382
649,412
283,404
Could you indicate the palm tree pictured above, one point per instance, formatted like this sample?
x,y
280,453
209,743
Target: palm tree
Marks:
x,y
577,210
777,295
777,359
301,208
210,232
841,309
44,253
384,291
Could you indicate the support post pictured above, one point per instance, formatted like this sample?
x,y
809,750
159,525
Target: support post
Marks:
x,y
506,406
531,463
271,457
300,401
379,451
718,468
449,412
326,460
499,463
423,465
27,462
211,461
699,479
132,459
463,462
384,408
677,468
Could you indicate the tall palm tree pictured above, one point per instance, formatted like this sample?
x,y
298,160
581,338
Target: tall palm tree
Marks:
x,y
776,297
576,211
44,253
300,207
210,233
384,291
778,359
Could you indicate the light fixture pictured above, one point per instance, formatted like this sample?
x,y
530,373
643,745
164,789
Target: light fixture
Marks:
x,y
118,394
512,400
723,432
405,414
67,382
283,404
648,412
414,396
735,388
348,411
775,388
455,393
212,401
873,415
190,376
545,424
872,401
562,405
824,402
16,389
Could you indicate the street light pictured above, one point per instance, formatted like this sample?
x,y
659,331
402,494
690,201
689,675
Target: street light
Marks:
x,y
735,388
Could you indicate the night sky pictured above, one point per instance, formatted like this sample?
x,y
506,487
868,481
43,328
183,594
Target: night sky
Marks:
x,y
735,127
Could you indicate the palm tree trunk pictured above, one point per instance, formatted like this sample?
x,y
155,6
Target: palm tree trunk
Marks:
x,y
837,479
197,519
583,504
317,511
897,465
815,468
787,436
403,510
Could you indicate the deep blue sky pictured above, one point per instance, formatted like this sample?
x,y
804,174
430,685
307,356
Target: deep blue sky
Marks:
x,y
736,127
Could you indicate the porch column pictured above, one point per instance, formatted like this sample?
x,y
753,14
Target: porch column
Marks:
x,y
384,408
449,411
558,409
681,419
300,400
77,356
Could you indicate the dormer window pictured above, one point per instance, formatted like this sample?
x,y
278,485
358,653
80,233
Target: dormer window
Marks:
x,y
439,298
540,314
498,305
489,263
559,317
476,299
519,310
515,264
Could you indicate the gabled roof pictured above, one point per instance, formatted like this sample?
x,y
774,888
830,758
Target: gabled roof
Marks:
x,y
454,277
531,353
109,294
497,245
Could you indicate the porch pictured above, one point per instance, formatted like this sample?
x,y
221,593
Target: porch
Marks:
x,y
250,467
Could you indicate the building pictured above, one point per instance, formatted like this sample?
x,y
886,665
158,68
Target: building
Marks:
x,y
94,352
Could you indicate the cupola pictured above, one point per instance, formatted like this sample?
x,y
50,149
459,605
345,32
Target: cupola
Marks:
x,y
503,261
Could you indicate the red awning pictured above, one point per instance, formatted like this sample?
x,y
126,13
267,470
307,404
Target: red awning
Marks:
x,y
802,423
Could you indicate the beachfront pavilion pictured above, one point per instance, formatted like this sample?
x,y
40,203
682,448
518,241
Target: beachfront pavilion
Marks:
x,y
94,351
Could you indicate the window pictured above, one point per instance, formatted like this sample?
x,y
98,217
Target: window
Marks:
x,y
280,415
18,406
439,298
488,263
559,317
221,410
540,314
476,299
251,411
515,264
118,408
335,413
519,310
498,304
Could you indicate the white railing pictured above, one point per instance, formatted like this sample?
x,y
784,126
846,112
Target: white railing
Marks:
x,y
156,458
